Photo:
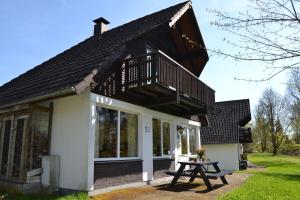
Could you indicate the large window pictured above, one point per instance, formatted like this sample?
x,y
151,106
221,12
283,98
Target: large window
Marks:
x,y
161,138
116,134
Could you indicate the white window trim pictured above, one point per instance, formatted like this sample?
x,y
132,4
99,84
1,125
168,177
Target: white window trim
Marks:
x,y
116,159
162,155
119,136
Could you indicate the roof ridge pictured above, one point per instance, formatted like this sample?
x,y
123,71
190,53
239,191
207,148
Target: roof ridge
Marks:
x,y
134,20
89,38
232,101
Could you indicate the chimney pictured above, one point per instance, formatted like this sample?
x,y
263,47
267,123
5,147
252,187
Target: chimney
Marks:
x,y
101,26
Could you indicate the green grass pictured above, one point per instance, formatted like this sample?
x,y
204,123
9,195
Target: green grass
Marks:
x,y
79,196
280,180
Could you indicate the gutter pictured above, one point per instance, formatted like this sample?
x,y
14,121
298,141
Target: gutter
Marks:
x,y
65,92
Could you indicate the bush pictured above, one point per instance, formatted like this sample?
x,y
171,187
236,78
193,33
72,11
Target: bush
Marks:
x,y
290,149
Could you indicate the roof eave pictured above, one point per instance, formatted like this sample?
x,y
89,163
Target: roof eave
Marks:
x,y
53,95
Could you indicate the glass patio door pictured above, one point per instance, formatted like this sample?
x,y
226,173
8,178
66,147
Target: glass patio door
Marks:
x,y
12,147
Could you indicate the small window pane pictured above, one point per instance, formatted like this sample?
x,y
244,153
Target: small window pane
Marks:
x,y
193,140
129,135
166,138
184,146
106,133
156,137
18,147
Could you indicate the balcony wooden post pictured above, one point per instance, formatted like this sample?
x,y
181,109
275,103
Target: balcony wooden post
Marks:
x,y
177,86
154,68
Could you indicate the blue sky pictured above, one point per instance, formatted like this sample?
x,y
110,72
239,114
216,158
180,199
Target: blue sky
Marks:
x,y
33,31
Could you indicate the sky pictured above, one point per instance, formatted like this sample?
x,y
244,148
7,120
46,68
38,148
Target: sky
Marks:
x,y
34,31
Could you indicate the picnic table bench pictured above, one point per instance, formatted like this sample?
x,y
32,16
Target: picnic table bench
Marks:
x,y
200,168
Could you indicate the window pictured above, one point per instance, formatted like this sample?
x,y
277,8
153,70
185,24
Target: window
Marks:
x,y
184,142
189,140
166,138
129,135
161,138
116,134
107,133
192,140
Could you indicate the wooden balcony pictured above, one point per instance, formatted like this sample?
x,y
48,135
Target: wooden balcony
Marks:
x,y
156,81
245,135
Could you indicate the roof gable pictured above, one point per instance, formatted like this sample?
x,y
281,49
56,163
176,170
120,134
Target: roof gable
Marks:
x,y
224,123
74,68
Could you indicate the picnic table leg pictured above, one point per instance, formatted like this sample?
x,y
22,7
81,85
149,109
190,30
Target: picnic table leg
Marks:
x,y
222,177
194,174
205,179
178,174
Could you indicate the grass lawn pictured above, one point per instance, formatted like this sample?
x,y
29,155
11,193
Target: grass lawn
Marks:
x,y
80,196
280,180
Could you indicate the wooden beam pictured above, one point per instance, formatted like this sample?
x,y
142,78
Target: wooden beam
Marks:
x,y
39,108
185,47
188,56
15,108
50,126
163,101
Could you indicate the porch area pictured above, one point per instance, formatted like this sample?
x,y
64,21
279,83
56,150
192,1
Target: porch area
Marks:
x,y
183,190
24,139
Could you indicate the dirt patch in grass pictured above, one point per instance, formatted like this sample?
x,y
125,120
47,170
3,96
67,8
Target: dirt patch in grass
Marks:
x,y
130,193
183,190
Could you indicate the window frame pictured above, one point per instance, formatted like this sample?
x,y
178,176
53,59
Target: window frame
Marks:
x,y
119,110
162,155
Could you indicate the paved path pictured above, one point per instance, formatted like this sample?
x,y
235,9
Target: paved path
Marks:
x,y
183,190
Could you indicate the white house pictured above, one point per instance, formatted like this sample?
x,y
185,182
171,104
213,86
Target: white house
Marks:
x,y
225,135
108,111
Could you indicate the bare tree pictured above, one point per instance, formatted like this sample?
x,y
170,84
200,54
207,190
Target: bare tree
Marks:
x,y
260,129
268,31
274,112
293,94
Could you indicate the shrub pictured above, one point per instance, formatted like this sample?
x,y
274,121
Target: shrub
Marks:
x,y
290,149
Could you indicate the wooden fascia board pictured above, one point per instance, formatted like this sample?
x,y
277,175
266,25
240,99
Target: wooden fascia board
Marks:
x,y
181,12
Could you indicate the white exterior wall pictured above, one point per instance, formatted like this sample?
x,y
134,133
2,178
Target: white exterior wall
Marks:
x,y
145,131
70,140
226,154
73,137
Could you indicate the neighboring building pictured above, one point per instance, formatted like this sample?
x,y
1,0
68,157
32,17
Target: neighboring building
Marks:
x,y
109,109
226,132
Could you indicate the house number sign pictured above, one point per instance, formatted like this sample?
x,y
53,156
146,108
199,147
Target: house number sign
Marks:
x,y
147,129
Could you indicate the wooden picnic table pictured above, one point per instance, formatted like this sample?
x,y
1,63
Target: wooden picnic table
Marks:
x,y
201,167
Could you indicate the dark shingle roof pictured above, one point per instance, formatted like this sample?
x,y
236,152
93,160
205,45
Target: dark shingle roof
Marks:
x,y
225,121
69,68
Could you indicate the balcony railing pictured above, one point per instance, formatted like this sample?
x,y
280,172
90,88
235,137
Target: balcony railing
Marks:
x,y
157,69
